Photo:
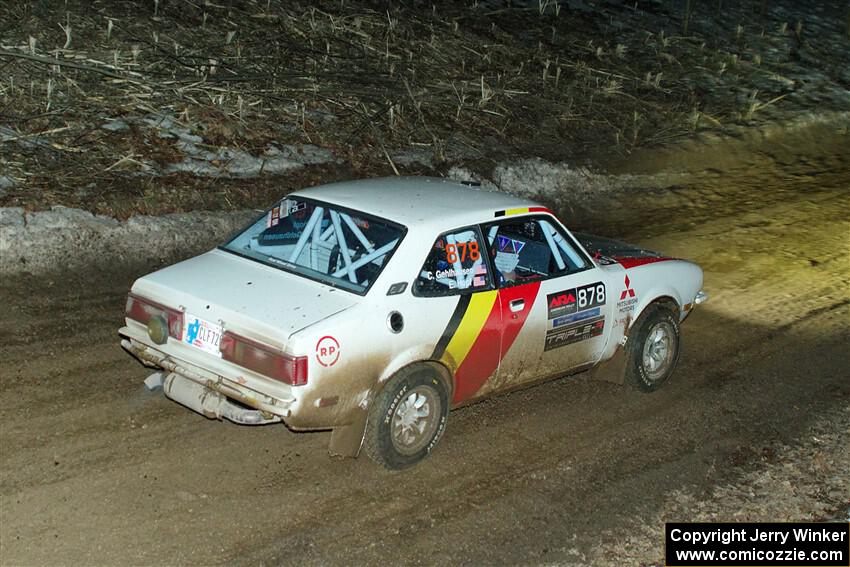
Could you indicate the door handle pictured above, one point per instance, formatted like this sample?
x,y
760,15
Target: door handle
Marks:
x,y
517,305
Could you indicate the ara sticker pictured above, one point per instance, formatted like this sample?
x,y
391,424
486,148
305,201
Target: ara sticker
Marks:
x,y
561,303
327,351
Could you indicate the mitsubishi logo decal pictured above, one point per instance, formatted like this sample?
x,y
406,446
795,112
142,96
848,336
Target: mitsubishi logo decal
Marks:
x,y
628,292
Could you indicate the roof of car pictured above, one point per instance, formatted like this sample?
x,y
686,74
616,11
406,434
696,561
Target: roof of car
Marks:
x,y
413,200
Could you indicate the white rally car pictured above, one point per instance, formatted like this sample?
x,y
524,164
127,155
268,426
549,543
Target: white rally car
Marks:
x,y
372,307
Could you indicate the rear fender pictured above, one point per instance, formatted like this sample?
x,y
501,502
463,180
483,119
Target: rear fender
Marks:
x,y
407,358
347,440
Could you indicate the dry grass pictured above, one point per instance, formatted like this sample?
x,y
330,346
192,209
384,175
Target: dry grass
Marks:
x,y
364,79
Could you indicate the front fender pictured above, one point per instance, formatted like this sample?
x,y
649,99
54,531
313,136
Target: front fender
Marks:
x,y
675,281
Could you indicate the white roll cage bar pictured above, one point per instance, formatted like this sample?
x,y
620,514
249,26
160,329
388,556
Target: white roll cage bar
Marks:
x,y
334,235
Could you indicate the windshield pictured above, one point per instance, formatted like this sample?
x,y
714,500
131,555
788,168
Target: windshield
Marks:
x,y
336,246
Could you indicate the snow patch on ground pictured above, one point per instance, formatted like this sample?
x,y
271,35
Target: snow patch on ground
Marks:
x,y
202,159
538,178
414,156
115,126
65,238
6,182
42,241
230,162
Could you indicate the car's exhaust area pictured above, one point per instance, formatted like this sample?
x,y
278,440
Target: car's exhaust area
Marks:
x,y
205,401
208,394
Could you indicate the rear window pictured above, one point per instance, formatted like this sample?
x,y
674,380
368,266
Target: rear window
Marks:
x,y
339,247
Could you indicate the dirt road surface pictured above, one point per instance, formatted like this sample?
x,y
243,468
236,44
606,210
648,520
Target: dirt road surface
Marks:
x,y
95,470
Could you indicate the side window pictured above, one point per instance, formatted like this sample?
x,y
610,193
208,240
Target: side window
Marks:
x,y
456,263
528,249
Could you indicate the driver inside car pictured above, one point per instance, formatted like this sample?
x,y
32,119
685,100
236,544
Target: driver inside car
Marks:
x,y
506,258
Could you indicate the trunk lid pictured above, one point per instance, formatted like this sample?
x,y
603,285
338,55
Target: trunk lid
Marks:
x,y
249,298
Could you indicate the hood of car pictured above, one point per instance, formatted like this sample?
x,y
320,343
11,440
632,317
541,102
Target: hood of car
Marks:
x,y
628,255
247,297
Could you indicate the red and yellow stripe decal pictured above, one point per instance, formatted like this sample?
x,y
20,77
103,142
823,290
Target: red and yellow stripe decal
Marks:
x,y
477,337
522,211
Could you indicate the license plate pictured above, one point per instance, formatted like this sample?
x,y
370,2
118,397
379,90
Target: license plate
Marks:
x,y
202,334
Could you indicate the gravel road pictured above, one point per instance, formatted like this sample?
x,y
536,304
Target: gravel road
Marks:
x,y
95,470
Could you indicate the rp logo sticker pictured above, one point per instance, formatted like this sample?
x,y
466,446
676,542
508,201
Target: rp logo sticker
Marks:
x,y
327,351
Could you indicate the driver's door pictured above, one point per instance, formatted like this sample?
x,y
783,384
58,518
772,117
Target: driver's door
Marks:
x,y
551,300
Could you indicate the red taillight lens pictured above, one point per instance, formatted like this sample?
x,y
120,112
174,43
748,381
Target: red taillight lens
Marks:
x,y
142,310
263,359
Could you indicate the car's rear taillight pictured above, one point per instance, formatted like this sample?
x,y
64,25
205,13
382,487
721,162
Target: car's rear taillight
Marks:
x,y
143,310
264,359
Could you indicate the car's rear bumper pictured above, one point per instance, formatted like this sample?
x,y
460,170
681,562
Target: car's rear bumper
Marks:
x,y
207,392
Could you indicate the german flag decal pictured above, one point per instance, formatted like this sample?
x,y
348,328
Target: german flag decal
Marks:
x,y
522,210
465,326
476,338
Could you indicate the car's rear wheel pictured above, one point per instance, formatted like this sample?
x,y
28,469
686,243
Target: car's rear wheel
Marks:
x,y
653,348
408,417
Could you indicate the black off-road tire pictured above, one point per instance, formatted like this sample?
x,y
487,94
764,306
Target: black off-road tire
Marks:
x,y
638,375
379,443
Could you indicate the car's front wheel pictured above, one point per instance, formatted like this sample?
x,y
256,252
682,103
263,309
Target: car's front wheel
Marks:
x,y
653,348
408,417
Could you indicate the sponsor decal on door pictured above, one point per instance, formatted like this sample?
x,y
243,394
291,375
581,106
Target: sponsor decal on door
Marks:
x,y
577,332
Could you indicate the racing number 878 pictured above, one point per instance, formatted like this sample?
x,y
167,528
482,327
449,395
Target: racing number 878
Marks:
x,y
591,295
466,249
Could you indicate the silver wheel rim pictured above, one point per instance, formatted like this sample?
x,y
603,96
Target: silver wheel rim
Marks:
x,y
658,350
415,420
